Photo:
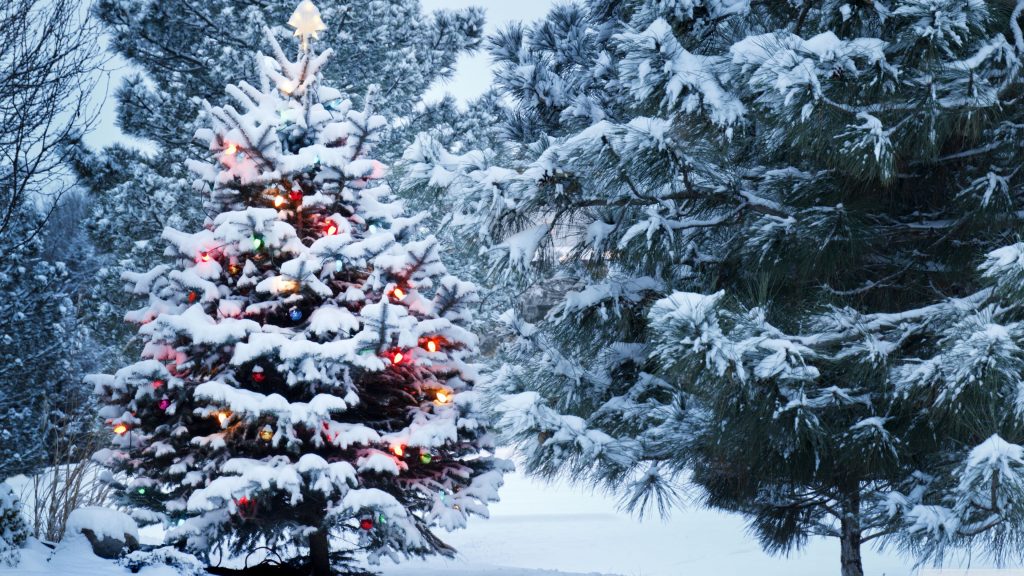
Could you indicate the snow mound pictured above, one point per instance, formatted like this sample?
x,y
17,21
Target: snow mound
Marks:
x,y
103,522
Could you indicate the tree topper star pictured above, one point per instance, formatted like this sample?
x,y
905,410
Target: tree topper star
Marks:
x,y
306,21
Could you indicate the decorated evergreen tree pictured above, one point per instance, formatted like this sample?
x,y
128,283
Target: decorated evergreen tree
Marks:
x,y
306,377
182,52
759,226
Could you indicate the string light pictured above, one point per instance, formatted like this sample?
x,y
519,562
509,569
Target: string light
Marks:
x,y
204,256
426,458
295,314
366,524
232,148
157,384
279,201
258,375
443,397
258,242
164,404
224,418
398,450
120,429
267,433
192,296
397,357
398,293
431,345
295,195
286,285
331,228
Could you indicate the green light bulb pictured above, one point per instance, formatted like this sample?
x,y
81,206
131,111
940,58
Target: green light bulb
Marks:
x,y
257,242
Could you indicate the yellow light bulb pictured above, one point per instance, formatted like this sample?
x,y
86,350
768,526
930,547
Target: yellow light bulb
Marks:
x,y
443,397
224,418
278,201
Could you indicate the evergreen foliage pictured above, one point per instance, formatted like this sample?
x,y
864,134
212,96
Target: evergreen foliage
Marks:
x,y
306,381
186,51
760,225
13,531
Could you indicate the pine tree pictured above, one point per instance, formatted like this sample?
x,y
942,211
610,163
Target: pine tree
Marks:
x,y
185,51
759,226
45,348
306,374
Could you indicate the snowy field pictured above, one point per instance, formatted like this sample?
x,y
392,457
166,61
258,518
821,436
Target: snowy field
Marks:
x,y
543,530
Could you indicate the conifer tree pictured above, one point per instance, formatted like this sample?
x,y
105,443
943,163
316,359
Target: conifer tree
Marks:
x,y
760,226
306,380
182,52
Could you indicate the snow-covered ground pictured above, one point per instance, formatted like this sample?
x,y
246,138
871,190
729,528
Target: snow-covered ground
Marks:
x,y
539,526
553,530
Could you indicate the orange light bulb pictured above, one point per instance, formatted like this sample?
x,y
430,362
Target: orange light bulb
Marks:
x,y
332,229
443,397
232,148
398,450
278,201
431,346
398,293
120,429
224,418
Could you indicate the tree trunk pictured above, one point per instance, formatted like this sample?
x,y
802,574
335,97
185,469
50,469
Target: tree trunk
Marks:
x,y
850,536
319,554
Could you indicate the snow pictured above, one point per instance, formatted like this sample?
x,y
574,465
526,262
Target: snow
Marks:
x,y
103,522
541,529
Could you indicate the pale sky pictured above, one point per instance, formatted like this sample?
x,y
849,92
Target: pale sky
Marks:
x,y
472,76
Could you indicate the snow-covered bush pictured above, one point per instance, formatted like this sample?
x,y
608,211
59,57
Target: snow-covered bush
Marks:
x,y
182,563
13,531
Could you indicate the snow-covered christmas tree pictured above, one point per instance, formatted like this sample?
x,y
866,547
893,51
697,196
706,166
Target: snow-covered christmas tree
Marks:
x,y
306,381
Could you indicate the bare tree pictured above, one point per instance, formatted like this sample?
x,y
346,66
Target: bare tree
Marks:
x,y
50,62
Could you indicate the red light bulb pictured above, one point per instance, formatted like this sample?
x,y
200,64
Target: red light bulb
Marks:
x,y
366,524
398,357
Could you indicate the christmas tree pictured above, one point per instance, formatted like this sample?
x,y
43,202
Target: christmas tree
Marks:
x,y
181,52
306,374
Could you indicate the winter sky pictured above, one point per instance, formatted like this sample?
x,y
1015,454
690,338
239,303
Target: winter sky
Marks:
x,y
471,79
